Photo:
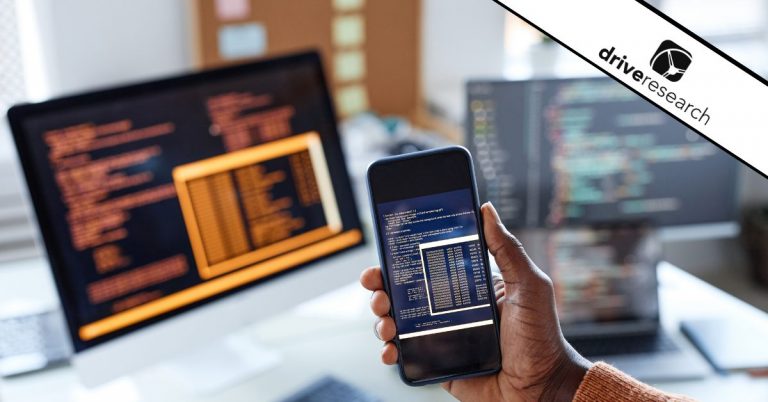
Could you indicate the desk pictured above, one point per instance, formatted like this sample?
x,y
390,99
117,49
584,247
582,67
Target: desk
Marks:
x,y
333,335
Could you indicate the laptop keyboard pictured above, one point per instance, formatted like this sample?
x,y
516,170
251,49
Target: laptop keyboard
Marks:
x,y
31,342
330,389
21,335
623,345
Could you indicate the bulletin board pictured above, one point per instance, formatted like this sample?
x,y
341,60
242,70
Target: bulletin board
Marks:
x,y
370,48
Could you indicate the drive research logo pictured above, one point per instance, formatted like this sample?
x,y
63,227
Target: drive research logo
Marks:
x,y
671,60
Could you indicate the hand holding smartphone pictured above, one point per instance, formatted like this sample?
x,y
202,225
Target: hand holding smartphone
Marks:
x,y
435,265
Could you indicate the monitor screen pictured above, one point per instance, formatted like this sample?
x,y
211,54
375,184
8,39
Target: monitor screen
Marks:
x,y
561,152
159,197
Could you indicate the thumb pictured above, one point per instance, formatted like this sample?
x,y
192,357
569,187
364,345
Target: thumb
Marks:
x,y
510,256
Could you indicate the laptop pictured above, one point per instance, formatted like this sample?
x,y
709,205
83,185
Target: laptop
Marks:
x,y
606,289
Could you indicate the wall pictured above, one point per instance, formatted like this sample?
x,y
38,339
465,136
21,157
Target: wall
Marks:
x,y
94,43
460,39
138,39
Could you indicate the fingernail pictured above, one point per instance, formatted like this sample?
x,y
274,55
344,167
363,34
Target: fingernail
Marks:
x,y
376,329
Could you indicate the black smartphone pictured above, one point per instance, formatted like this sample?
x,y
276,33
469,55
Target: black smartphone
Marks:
x,y
435,265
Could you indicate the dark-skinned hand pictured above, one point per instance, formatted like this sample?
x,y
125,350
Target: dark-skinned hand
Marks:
x,y
537,362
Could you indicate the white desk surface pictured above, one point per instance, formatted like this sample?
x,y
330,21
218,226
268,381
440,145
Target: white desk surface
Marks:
x,y
333,335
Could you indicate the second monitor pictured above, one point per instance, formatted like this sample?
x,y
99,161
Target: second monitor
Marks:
x,y
578,151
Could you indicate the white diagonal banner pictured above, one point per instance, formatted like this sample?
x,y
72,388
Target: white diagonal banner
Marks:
x,y
664,63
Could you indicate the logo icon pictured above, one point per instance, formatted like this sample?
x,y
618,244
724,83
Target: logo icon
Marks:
x,y
671,60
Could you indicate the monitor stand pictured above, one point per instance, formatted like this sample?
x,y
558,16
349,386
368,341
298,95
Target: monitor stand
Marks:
x,y
225,363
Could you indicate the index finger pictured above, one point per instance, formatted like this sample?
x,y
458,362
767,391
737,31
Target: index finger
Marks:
x,y
371,279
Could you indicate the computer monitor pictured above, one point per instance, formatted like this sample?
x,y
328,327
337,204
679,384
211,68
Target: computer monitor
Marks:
x,y
178,210
559,152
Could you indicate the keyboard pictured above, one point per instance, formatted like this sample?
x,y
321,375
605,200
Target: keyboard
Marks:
x,y
330,389
32,341
624,345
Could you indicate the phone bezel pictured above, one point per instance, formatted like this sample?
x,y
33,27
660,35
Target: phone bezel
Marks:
x,y
380,247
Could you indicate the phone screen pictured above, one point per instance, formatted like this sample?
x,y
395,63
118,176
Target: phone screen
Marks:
x,y
435,262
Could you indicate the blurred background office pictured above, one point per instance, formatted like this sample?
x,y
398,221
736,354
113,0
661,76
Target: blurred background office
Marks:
x,y
408,75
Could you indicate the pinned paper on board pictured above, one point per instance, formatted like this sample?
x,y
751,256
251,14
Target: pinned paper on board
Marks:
x,y
348,5
352,99
348,30
242,40
349,35
229,10
349,65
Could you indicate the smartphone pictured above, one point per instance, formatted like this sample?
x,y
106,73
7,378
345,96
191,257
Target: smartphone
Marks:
x,y
435,265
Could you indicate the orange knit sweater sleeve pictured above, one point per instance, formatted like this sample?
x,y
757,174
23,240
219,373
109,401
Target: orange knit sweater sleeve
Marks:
x,y
603,383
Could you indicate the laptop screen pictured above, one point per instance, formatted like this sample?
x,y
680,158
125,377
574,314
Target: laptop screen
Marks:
x,y
604,278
